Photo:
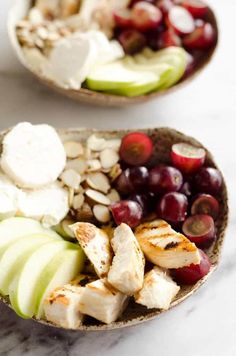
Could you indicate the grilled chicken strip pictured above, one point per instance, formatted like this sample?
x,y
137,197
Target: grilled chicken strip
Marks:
x,y
158,290
127,271
62,307
165,247
101,301
96,245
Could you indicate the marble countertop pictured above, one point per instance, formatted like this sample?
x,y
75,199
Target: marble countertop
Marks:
x,y
205,324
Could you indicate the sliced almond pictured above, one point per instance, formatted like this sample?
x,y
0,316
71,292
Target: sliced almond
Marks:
x,y
97,197
79,165
71,178
95,143
42,33
114,196
88,153
35,16
93,165
64,31
53,36
85,214
66,227
99,144
109,158
71,196
98,181
113,144
39,43
78,201
102,213
73,149
23,24
80,190
115,172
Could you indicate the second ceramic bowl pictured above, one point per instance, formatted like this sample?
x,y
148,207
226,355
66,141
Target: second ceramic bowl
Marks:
x,y
20,10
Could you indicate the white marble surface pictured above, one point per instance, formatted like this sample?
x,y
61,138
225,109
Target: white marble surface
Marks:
x,y
205,324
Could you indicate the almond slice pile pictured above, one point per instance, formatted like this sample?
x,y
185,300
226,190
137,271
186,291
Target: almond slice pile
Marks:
x,y
91,168
47,22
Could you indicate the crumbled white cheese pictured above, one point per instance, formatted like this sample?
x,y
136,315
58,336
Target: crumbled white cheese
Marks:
x,y
73,58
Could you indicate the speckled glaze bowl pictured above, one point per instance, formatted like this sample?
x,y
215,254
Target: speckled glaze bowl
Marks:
x,y
163,139
20,9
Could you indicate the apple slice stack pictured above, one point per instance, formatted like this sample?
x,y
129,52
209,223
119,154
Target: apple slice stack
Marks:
x,y
34,261
146,72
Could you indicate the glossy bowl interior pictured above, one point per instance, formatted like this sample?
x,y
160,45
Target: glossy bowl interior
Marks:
x,y
20,9
163,139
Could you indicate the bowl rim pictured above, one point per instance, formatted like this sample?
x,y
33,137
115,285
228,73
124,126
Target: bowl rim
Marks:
x,y
217,247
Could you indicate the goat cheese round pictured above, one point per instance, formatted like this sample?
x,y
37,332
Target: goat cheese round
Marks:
x,y
8,198
49,205
33,155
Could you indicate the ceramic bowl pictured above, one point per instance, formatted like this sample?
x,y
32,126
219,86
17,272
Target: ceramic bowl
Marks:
x,y
163,139
19,11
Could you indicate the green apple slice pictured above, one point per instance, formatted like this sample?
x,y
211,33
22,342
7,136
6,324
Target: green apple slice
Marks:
x,y
10,265
143,65
162,70
25,242
173,56
63,268
149,53
13,228
137,89
22,288
116,75
179,64
16,255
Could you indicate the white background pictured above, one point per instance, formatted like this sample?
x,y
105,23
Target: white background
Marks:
x,y
204,325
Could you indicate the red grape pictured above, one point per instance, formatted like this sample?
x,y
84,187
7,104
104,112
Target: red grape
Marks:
x,y
199,23
128,212
200,229
164,6
191,64
123,184
193,273
145,16
180,20
132,41
136,148
186,189
208,180
173,207
205,204
197,8
202,38
138,177
133,2
123,18
169,38
164,179
153,37
131,180
187,158
143,201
